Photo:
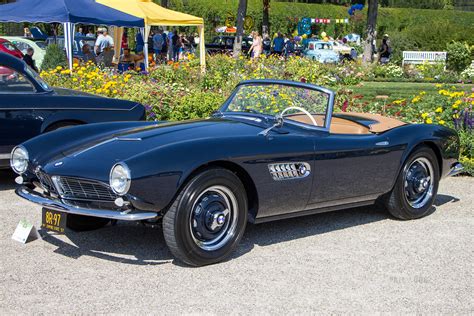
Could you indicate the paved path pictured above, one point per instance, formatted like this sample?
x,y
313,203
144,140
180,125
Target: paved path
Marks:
x,y
358,260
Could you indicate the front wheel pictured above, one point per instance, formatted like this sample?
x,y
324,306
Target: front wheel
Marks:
x,y
207,219
416,186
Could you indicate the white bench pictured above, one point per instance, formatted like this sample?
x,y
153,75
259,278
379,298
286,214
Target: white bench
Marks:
x,y
411,57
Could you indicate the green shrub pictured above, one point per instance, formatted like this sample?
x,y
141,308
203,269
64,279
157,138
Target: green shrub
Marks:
x,y
459,56
54,57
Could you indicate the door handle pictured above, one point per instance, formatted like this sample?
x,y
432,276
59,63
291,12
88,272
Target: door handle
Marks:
x,y
384,143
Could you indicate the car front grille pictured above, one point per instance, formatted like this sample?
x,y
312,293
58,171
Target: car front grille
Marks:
x,y
80,189
45,181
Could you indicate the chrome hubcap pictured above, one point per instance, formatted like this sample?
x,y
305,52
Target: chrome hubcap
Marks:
x,y
213,219
419,183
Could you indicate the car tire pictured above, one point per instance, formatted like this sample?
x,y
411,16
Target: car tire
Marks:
x,y
207,219
81,223
416,186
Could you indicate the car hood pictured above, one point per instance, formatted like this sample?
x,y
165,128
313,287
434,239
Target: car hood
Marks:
x,y
95,156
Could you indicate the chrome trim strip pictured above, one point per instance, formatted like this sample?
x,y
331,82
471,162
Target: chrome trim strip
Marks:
x,y
5,156
384,143
457,168
106,142
49,202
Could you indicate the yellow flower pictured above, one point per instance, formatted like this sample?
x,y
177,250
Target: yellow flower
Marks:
x,y
80,72
74,79
416,99
424,115
115,92
76,65
59,68
456,104
98,90
441,122
438,85
439,109
429,121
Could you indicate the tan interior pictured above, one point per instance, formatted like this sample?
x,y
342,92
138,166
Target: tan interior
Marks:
x,y
345,126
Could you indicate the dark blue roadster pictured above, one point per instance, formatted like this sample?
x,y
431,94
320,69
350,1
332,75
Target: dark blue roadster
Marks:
x,y
29,107
274,150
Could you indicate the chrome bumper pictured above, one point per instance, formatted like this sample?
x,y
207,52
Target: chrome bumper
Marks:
x,y
457,168
55,204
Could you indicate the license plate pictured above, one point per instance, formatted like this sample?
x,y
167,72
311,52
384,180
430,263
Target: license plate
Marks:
x,y
53,220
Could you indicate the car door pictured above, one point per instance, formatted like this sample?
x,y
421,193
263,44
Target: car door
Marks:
x,y
18,120
352,168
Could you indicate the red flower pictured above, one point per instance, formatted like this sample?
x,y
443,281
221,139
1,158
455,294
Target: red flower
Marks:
x,y
344,106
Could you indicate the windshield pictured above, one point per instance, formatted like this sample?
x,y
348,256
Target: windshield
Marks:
x,y
38,79
272,99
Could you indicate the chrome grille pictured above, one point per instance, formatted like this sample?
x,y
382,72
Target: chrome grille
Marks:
x,y
80,189
45,181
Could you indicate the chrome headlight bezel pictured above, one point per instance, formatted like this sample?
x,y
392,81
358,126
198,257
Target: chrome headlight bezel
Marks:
x,y
120,178
19,159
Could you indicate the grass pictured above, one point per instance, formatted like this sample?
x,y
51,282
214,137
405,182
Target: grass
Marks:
x,y
399,90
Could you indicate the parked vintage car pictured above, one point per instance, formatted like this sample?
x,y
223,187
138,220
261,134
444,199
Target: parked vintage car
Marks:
x,y
321,51
225,44
9,48
23,43
274,150
29,107
344,51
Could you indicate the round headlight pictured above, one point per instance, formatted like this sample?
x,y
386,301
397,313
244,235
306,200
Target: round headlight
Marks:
x,y
120,178
19,159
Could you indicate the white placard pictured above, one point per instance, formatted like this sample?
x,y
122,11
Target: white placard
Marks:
x,y
24,230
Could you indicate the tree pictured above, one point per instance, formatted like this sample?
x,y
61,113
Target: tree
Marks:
x,y
266,18
241,13
371,27
164,3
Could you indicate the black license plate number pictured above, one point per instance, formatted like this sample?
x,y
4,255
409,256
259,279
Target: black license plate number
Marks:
x,y
53,220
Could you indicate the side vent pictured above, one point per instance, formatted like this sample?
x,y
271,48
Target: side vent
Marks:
x,y
289,170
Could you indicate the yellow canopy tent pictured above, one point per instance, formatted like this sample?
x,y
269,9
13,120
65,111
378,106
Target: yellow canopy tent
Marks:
x,y
154,14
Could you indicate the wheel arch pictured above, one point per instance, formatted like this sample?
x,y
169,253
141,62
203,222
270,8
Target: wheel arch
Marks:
x,y
50,125
241,173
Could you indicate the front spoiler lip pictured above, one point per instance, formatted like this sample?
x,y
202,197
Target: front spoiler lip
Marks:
x,y
55,204
456,168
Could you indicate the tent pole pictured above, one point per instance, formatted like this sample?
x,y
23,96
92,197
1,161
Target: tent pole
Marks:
x,y
68,42
145,33
202,49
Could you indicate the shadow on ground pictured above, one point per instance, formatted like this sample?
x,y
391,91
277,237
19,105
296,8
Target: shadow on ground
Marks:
x,y
7,180
134,243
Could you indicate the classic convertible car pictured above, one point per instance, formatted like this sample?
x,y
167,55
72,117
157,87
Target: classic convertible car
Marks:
x,y
29,107
275,149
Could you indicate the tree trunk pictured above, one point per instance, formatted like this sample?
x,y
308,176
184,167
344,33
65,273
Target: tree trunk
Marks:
x,y
371,31
241,13
164,3
266,17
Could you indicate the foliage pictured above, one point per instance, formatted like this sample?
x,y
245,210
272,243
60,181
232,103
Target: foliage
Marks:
x,y
459,56
408,28
468,73
54,57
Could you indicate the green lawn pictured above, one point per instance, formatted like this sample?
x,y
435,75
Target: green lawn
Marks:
x,y
399,90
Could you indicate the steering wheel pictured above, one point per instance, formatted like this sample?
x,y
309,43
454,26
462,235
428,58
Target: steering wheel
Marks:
x,y
302,110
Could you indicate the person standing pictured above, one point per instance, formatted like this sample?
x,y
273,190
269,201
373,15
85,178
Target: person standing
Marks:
x,y
385,51
278,44
28,59
257,45
140,43
176,43
158,44
169,42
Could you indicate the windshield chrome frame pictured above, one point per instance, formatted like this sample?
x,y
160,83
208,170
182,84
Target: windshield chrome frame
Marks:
x,y
329,108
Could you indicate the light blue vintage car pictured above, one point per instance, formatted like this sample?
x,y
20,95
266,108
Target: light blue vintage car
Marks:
x,y
321,51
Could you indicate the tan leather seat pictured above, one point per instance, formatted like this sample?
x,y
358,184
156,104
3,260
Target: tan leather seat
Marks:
x,y
346,126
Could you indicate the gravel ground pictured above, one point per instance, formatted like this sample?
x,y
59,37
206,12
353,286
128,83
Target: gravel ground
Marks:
x,y
358,260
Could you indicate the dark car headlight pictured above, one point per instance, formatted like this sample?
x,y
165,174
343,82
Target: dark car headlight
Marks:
x,y
19,159
120,178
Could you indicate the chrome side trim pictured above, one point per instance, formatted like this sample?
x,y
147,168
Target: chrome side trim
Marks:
x,y
457,168
49,202
384,143
106,142
5,156
289,170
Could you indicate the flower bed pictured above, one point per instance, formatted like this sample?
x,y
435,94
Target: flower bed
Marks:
x,y
179,91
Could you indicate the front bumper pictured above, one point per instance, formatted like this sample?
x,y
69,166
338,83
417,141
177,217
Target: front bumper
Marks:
x,y
456,168
59,205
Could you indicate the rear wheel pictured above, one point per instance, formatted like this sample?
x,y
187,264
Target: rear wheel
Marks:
x,y
416,186
81,223
207,219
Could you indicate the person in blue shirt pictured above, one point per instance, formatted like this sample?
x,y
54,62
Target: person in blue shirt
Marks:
x,y
278,43
140,43
79,32
158,44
